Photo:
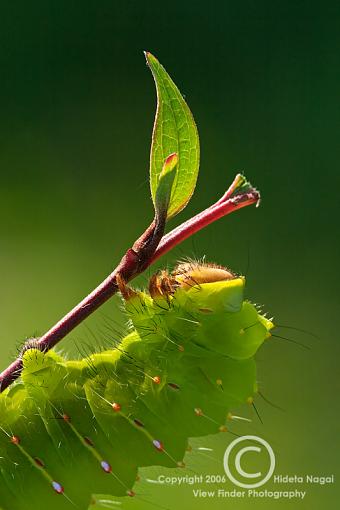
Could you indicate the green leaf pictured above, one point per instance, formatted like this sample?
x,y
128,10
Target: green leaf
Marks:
x,y
174,132
164,188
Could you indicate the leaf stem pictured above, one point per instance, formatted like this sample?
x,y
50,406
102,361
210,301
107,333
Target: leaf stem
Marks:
x,y
148,248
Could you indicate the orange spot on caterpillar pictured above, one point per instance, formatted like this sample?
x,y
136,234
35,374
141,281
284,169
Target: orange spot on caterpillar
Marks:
x,y
198,411
15,440
66,418
116,407
181,464
156,379
181,348
130,493
223,428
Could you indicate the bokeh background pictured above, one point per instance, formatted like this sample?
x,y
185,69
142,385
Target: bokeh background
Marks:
x,y
77,106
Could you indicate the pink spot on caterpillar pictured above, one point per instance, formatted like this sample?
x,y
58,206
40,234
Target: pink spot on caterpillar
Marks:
x,y
156,379
88,441
57,487
106,466
116,407
130,493
15,440
158,445
173,386
66,418
138,423
198,411
39,462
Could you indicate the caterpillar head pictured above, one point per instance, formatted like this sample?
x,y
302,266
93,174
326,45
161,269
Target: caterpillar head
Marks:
x,y
208,295
185,276
188,274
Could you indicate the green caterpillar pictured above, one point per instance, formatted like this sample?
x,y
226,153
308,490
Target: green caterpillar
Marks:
x,y
73,428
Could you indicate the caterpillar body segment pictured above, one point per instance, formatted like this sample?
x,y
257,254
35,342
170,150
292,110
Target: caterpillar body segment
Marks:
x,y
72,428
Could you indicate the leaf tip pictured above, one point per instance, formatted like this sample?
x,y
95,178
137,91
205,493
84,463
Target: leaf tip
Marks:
x,y
165,182
149,57
171,161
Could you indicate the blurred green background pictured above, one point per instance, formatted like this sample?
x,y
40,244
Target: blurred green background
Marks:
x,y
77,106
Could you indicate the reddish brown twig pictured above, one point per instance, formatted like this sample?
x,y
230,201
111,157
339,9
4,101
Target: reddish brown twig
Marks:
x,y
148,248
202,219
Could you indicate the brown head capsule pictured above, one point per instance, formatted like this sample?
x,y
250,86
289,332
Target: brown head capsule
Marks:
x,y
189,274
